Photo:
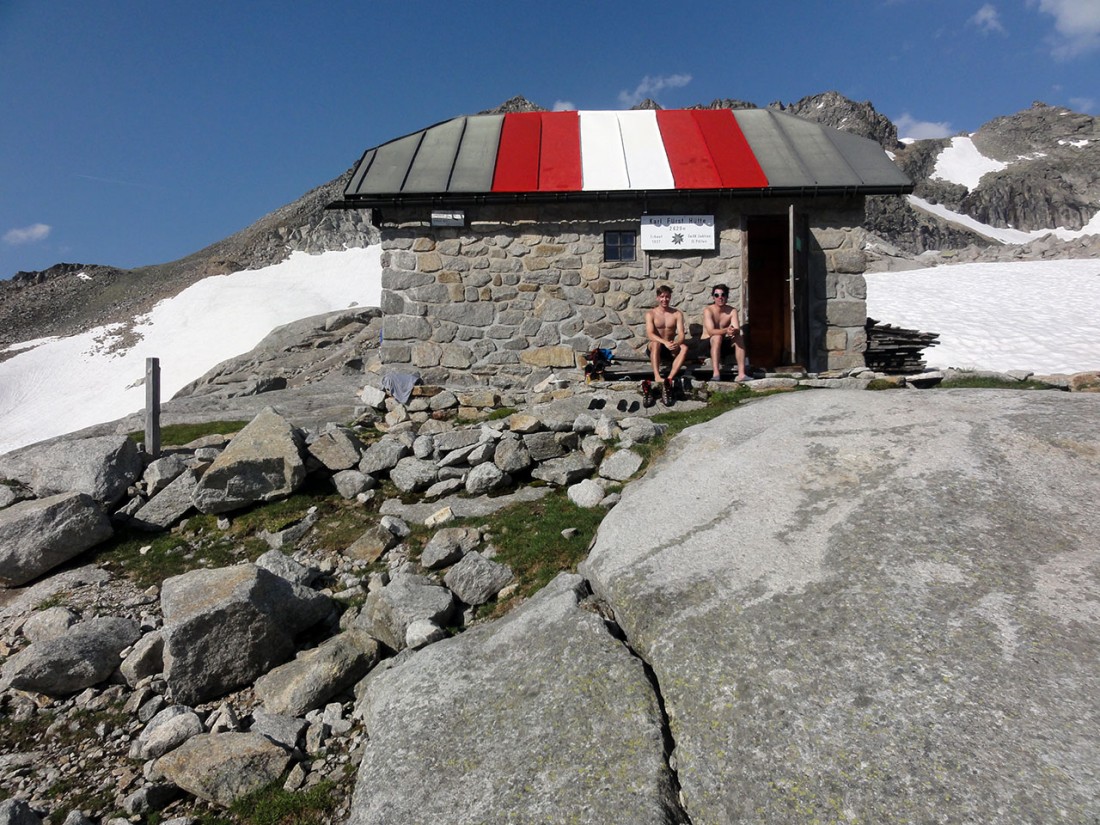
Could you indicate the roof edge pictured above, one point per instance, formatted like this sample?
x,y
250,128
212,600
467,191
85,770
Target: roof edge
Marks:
x,y
486,198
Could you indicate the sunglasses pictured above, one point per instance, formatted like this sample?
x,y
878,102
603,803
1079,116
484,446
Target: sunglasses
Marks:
x,y
720,294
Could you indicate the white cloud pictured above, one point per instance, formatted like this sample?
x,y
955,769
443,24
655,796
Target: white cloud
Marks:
x,y
27,234
1077,23
1084,104
564,106
910,127
650,86
987,19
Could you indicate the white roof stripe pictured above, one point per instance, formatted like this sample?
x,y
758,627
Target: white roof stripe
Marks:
x,y
646,160
603,166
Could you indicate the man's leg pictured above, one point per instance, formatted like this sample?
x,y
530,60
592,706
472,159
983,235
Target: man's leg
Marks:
x,y
655,359
678,361
715,357
739,354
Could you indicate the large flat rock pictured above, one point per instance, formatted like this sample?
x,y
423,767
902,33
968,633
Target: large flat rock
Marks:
x,y
872,607
101,466
39,534
263,462
540,717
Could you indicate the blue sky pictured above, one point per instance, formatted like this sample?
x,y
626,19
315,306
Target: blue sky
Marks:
x,y
135,132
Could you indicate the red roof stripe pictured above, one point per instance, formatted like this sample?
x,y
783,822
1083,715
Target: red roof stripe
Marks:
x,y
688,155
517,168
733,157
560,160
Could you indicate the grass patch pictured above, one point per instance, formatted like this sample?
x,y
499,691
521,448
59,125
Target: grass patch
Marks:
x,y
198,542
501,412
717,404
884,384
275,806
175,435
150,558
61,598
528,538
676,421
978,382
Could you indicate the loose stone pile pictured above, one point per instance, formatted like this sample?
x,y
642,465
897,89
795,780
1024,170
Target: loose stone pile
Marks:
x,y
216,682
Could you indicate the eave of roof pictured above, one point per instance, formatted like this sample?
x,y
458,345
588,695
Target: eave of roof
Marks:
x,y
569,156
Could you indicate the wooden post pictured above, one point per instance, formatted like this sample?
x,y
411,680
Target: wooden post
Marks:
x,y
152,407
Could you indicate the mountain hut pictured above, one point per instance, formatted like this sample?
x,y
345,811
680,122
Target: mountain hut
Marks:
x,y
515,243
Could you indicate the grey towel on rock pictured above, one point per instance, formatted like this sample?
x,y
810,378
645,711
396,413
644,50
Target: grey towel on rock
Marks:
x,y
400,384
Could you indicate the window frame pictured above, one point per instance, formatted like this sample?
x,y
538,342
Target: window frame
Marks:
x,y
613,241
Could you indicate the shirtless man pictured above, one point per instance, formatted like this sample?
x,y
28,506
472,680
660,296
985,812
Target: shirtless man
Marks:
x,y
721,325
664,327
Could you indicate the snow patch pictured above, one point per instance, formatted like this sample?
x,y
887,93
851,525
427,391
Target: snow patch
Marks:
x,y
960,162
34,342
54,386
1037,315
1002,234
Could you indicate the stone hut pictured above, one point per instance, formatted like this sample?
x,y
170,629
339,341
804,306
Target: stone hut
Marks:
x,y
514,243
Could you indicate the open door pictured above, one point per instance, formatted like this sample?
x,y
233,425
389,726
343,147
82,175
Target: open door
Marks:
x,y
767,310
776,297
798,254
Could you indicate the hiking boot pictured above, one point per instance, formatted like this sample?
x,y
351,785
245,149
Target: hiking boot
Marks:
x,y
647,393
666,392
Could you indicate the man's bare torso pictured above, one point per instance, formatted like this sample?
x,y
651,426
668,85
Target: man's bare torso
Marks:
x,y
720,316
665,322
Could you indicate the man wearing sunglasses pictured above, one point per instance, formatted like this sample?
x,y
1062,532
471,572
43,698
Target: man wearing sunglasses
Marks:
x,y
722,326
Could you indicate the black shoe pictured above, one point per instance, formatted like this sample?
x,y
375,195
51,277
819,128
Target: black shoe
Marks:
x,y
647,393
666,392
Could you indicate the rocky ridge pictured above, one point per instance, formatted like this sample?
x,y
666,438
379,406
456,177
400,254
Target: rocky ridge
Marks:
x,y
70,298
252,664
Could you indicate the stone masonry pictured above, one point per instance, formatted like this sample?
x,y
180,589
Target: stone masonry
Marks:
x,y
524,289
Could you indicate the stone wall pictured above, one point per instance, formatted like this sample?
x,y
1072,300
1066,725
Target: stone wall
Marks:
x,y
838,311
523,289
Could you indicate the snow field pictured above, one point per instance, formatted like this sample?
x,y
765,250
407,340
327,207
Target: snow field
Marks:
x,y
54,386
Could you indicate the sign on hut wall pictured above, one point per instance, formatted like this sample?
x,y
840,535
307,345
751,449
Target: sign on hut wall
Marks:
x,y
449,217
678,232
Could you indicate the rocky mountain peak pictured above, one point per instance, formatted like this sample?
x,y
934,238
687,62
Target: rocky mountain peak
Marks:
x,y
23,278
834,109
514,104
725,103
1040,128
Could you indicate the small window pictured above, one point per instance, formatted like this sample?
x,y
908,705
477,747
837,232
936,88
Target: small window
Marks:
x,y
619,245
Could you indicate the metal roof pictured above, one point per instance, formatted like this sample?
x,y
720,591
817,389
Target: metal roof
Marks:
x,y
567,155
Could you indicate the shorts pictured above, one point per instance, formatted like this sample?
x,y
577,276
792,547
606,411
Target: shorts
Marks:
x,y
665,355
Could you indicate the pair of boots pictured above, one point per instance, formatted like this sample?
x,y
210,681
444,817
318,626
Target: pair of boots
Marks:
x,y
664,388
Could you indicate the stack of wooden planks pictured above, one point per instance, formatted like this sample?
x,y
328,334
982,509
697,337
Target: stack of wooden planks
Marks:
x,y
896,351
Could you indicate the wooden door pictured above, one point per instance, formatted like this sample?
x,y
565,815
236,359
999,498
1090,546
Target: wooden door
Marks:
x,y
768,300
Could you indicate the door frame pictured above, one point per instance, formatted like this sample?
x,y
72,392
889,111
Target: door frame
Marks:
x,y
795,335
